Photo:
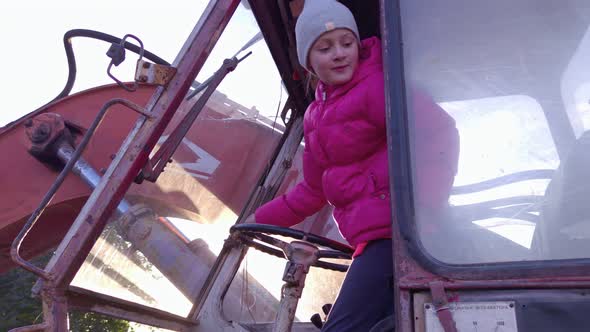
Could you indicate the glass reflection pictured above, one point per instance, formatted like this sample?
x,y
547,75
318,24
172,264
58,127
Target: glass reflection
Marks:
x,y
163,262
515,77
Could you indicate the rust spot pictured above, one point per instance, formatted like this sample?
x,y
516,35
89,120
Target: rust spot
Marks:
x,y
287,163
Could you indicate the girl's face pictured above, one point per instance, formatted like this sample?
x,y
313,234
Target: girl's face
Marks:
x,y
334,56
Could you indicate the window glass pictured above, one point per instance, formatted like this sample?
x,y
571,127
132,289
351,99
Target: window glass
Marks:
x,y
163,262
511,74
263,296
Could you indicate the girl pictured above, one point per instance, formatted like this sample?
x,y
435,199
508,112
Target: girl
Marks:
x,y
345,159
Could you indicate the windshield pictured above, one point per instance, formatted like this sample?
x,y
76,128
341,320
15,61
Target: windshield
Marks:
x,y
515,78
165,263
206,185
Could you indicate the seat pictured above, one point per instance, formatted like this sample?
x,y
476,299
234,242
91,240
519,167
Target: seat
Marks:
x,y
564,228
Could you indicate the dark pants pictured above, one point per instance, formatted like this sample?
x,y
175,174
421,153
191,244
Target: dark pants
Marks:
x,y
366,295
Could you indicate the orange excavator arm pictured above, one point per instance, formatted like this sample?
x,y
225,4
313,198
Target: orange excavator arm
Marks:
x,y
202,176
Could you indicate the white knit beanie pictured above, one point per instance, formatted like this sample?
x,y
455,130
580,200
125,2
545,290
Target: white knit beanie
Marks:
x,y
318,17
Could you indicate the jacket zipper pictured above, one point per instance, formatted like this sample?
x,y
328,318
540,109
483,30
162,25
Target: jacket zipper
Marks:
x,y
322,106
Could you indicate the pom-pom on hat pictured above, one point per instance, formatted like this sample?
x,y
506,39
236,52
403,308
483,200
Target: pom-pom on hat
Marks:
x,y
318,17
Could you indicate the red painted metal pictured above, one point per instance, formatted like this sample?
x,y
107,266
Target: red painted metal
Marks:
x,y
46,141
241,157
55,309
243,152
441,305
30,179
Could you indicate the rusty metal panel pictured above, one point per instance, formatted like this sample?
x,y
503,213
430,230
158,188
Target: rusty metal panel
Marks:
x,y
153,73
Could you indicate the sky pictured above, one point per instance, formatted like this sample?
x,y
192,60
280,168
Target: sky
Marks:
x,y
35,65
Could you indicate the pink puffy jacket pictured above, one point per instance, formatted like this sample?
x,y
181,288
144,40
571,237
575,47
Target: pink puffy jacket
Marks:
x,y
345,160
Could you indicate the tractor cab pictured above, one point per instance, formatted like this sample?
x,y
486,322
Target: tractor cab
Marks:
x,y
147,180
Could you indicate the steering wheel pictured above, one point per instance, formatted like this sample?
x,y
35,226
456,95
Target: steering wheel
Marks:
x,y
260,237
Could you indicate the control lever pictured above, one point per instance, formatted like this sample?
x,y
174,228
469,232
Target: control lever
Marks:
x,y
317,320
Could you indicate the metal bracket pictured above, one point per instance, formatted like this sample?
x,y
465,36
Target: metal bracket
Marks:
x,y
441,305
301,256
117,54
153,73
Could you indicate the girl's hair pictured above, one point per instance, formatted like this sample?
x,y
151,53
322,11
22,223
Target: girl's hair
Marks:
x,y
310,82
